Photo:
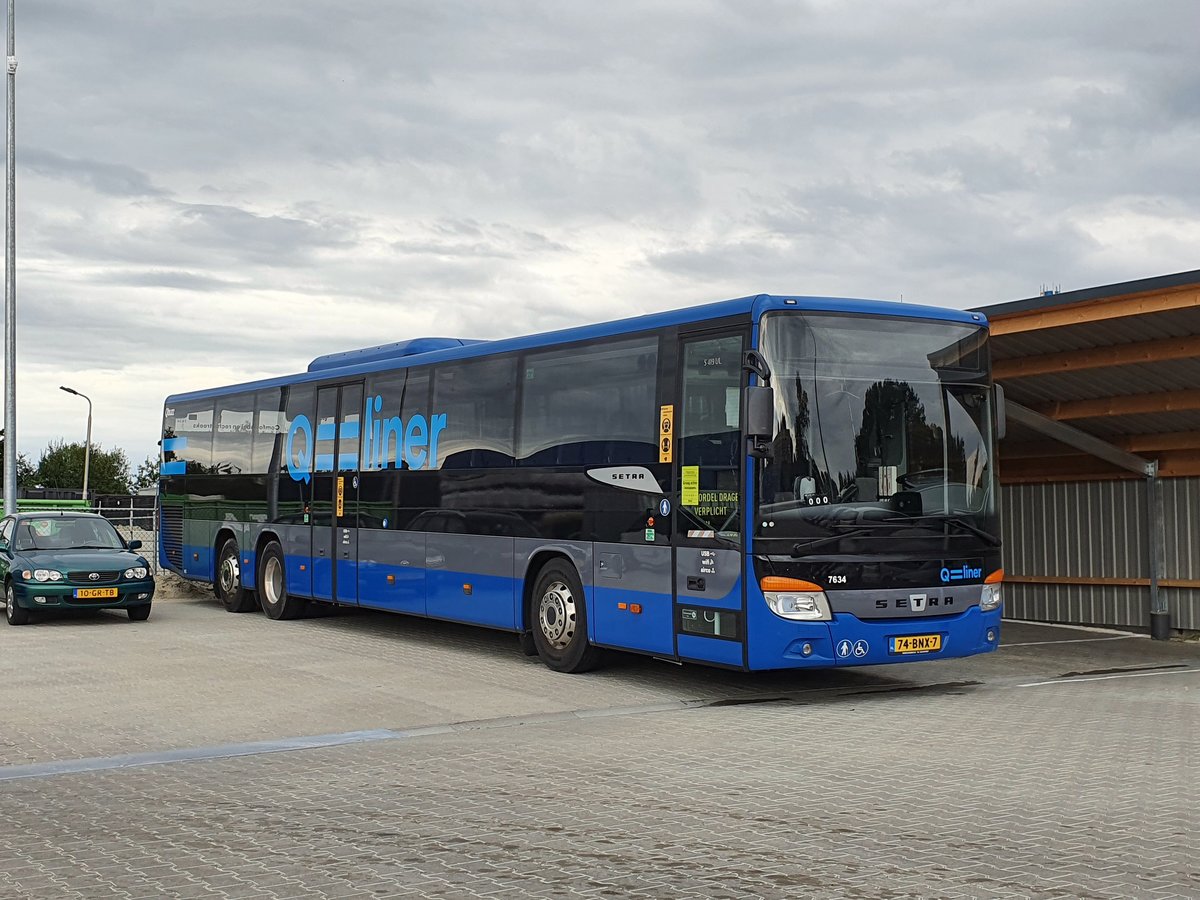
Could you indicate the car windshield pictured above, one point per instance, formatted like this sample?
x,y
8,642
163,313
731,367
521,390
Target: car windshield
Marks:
x,y
66,533
883,426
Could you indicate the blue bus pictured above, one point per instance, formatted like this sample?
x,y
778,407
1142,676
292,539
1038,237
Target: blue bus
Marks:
x,y
770,482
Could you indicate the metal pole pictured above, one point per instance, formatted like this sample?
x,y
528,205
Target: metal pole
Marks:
x,y
87,450
10,281
1160,613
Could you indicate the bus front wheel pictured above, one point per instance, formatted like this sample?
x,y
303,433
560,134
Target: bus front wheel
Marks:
x,y
559,620
276,602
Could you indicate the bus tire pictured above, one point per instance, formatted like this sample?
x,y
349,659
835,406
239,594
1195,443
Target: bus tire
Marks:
x,y
273,596
559,619
228,584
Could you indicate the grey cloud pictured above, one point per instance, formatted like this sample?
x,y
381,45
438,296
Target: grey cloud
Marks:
x,y
176,280
263,239
398,167
113,179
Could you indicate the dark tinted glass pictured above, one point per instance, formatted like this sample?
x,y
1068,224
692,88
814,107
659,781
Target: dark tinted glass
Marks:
x,y
301,401
399,429
234,435
710,449
471,422
193,422
590,406
268,432
326,429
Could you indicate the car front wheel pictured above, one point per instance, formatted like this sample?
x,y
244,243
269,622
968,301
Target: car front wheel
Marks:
x,y
15,615
138,613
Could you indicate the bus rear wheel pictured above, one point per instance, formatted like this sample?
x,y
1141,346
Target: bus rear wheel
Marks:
x,y
276,602
559,620
228,587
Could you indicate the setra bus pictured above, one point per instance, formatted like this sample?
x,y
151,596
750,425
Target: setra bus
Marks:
x,y
763,483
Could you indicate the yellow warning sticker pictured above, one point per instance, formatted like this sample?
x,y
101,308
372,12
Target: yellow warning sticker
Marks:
x,y
690,484
341,494
666,433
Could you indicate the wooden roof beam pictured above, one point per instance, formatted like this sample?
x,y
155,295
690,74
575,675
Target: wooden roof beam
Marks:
x,y
1097,358
1096,311
1130,405
1138,443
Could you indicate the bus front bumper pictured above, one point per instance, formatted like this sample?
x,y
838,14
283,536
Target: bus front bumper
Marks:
x,y
849,641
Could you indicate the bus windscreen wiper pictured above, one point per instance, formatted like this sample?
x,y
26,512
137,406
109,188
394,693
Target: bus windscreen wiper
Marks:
x,y
802,547
963,525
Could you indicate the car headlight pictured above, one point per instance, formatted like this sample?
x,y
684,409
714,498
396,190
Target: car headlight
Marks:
x,y
44,575
791,598
137,573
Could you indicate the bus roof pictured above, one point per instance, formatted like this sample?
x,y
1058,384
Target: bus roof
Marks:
x,y
402,355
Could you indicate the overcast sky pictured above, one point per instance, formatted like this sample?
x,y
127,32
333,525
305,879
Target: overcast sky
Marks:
x,y
219,191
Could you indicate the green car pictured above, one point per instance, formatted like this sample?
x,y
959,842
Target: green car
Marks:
x,y
70,560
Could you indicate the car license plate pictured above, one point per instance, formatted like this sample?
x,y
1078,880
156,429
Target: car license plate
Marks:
x,y
917,643
94,593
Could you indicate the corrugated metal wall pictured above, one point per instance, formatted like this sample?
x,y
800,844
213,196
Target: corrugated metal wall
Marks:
x,y
1097,529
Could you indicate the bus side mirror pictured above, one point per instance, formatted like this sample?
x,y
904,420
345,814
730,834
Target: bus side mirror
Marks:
x,y
760,415
1001,412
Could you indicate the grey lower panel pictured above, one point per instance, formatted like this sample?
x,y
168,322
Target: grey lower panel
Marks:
x,y
709,575
906,604
579,552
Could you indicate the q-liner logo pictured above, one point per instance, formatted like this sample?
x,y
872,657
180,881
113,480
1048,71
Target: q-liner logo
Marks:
x,y
388,442
962,573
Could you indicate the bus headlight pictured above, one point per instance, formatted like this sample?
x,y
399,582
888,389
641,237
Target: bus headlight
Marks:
x,y
792,598
991,597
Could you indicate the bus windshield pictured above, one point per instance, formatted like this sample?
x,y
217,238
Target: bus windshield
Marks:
x,y
882,426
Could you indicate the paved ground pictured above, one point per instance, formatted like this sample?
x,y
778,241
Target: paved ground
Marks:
x,y
203,754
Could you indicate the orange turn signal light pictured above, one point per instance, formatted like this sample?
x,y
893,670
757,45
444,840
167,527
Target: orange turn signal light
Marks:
x,y
996,576
635,608
779,583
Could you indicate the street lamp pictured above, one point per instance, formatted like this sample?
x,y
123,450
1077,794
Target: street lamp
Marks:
x,y
87,452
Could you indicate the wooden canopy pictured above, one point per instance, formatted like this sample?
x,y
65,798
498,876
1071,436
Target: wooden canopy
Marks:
x,y
1120,362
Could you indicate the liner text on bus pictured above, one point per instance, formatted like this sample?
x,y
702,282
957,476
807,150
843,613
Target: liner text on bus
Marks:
x,y
388,442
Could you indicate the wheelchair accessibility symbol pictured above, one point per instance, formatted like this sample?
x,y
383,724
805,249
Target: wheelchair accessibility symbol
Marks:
x,y
858,649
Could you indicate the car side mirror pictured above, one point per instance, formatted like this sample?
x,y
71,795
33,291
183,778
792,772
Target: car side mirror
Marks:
x,y
133,545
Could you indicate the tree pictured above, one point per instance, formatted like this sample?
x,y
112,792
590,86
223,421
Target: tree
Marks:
x,y
61,466
147,473
26,474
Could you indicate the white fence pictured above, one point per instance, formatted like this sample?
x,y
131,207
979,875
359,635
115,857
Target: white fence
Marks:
x,y
133,522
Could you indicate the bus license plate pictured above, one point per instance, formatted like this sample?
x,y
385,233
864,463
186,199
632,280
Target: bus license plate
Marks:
x,y
94,593
917,643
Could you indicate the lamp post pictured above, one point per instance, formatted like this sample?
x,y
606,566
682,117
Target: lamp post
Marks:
x,y
10,273
87,452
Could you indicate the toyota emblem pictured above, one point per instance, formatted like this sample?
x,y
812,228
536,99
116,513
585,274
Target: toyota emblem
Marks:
x,y
95,576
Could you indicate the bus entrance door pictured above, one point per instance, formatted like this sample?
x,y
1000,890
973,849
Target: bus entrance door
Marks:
x,y
709,606
335,493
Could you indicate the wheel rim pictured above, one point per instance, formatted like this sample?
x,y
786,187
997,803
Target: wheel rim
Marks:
x,y
557,615
273,581
9,603
230,576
